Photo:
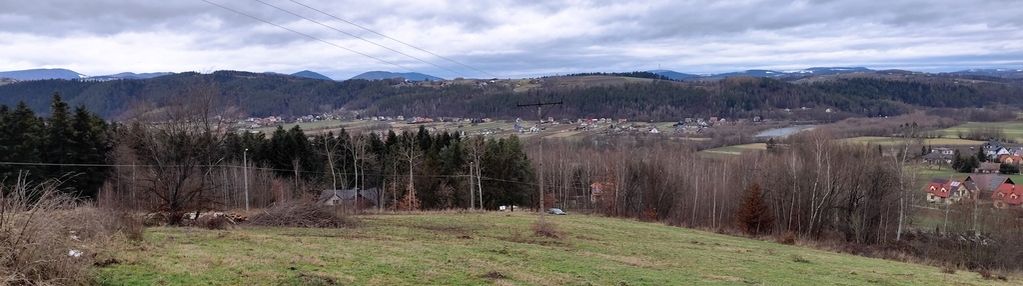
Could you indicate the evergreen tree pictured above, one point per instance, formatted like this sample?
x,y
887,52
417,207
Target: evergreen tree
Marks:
x,y
753,216
19,142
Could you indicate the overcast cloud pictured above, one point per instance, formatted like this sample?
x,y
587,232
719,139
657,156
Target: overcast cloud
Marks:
x,y
510,38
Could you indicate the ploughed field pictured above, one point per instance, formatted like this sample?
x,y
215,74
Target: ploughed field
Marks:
x,y
494,248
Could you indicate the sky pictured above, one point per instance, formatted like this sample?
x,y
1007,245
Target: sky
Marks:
x,y
507,39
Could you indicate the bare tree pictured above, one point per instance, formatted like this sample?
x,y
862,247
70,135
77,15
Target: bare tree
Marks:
x,y
179,146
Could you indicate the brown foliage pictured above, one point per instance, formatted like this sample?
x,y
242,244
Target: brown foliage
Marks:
x,y
303,214
545,228
753,216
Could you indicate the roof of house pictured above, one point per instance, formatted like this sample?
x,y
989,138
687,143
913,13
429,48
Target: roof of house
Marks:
x,y
349,195
987,182
989,166
1008,193
942,187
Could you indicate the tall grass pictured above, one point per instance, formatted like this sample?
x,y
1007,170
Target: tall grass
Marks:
x,y
48,238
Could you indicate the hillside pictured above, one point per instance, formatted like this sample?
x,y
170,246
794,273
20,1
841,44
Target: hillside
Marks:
x,y
411,76
495,248
37,74
264,94
311,74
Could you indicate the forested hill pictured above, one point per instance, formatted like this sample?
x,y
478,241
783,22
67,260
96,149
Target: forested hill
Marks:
x,y
260,94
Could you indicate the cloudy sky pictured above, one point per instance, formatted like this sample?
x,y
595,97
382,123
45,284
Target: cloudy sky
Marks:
x,y
508,38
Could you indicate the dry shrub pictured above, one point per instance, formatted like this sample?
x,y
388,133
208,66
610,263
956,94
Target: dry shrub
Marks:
x,y
493,275
799,259
545,228
986,274
214,222
303,214
948,270
47,238
788,238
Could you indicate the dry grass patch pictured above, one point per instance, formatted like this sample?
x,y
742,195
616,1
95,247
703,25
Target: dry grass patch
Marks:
x,y
47,238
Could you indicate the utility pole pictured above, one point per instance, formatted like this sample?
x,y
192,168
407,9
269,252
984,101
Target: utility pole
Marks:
x,y
539,118
472,192
245,175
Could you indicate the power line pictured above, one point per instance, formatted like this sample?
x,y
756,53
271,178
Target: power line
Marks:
x,y
393,39
259,168
307,35
356,36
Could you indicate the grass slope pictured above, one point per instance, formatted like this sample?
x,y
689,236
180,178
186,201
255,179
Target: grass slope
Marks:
x,y
1012,129
494,248
887,141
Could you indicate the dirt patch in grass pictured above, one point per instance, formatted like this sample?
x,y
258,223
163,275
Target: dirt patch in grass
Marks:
x,y
310,279
493,275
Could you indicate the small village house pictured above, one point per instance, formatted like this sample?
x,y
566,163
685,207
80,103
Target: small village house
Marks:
x,y
943,191
1007,195
988,168
363,199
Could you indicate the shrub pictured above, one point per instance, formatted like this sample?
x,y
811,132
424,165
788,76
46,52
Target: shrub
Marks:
x,y
545,228
214,222
48,238
303,214
799,259
788,238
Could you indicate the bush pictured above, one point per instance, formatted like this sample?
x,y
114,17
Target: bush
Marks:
x,y
303,214
214,222
48,238
545,228
788,238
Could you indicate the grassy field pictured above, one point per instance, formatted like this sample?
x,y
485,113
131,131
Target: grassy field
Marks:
x,y
1012,129
735,149
926,174
885,141
495,248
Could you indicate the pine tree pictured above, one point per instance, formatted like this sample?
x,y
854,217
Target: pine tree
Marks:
x,y
753,216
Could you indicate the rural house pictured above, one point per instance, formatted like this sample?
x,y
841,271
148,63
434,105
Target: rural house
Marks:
x,y
366,198
1010,159
943,191
988,168
1008,194
979,185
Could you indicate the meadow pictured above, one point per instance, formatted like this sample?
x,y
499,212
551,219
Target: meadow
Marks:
x,y
495,248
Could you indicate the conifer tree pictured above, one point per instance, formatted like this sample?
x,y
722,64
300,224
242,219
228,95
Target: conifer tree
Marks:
x,y
753,216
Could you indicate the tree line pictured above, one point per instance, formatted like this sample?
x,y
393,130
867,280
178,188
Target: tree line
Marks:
x,y
255,94
69,144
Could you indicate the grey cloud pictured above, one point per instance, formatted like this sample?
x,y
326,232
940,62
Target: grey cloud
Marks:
x,y
522,37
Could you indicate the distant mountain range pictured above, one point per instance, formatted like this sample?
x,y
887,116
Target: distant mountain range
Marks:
x,y
130,75
411,76
876,93
311,74
37,74
42,74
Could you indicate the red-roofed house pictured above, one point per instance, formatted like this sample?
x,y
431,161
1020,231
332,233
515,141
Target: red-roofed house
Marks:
x,y
944,191
1010,159
1007,195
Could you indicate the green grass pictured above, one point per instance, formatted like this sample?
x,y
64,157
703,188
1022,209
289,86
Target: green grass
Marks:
x,y
887,141
1012,129
736,149
925,174
461,249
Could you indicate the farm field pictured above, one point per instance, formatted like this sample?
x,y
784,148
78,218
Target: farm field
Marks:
x,y
885,141
495,248
735,149
1012,129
